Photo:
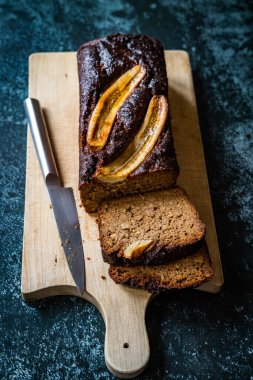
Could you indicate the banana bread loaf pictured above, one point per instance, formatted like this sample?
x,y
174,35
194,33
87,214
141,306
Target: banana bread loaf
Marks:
x,y
191,271
126,143
151,228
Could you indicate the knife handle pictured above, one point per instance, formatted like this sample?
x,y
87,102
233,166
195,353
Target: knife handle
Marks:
x,y
40,137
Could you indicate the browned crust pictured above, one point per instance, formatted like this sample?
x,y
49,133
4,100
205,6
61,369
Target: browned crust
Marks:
x,y
165,277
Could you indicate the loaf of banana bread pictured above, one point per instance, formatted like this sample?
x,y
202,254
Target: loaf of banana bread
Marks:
x,y
126,143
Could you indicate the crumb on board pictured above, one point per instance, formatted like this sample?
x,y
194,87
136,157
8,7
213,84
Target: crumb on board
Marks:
x,y
103,277
50,206
88,258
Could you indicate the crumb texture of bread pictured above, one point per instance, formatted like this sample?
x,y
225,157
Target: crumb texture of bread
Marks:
x,y
100,63
167,217
191,271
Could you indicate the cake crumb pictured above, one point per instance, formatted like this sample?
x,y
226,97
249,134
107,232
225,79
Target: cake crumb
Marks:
x,y
139,218
103,277
113,237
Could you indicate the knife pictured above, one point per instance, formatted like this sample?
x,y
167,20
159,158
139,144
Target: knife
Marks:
x,y
62,199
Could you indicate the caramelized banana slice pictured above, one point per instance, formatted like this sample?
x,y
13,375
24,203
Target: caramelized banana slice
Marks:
x,y
104,114
140,147
136,248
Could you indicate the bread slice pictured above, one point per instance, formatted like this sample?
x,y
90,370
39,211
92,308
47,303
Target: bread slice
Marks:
x,y
191,271
151,228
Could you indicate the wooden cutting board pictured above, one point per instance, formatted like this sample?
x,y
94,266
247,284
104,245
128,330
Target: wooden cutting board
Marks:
x,y
53,80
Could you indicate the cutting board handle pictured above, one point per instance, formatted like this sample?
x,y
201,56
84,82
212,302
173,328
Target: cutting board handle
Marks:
x,y
126,341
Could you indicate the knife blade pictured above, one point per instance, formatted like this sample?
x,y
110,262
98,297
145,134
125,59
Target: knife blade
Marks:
x,y
62,199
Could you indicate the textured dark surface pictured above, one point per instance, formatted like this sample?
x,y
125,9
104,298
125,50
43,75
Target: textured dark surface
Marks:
x,y
195,335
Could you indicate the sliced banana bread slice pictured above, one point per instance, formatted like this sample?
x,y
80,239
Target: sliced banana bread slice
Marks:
x,y
151,228
191,271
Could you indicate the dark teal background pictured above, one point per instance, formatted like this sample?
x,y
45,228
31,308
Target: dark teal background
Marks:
x,y
193,335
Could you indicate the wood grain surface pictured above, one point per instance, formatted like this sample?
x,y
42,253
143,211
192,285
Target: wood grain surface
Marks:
x,y
53,80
